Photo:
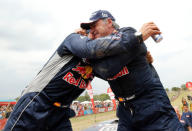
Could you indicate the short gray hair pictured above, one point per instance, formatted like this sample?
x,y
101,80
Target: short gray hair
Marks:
x,y
114,24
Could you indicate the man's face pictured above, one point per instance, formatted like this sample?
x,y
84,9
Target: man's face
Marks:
x,y
185,108
100,28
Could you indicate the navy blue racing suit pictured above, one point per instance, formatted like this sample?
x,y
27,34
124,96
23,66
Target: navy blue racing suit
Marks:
x,y
143,102
44,104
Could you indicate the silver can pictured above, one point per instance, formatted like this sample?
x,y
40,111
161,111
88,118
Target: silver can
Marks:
x,y
157,38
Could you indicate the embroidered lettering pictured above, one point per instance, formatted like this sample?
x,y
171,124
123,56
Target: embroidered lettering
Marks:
x,y
71,80
83,84
123,72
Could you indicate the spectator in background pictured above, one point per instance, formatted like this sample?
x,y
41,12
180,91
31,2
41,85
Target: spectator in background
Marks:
x,y
187,116
2,112
80,111
74,106
185,103
8,111
184,122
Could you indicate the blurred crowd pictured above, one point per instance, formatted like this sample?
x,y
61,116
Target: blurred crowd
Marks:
x,y
5,111
83,108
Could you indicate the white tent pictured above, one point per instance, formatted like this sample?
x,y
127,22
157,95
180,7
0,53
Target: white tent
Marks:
x,y
108,101
97,101
85,102
75,102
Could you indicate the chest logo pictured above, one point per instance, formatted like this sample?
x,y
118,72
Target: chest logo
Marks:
x,y
123,72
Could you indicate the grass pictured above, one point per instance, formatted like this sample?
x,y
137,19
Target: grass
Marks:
x,y
83,122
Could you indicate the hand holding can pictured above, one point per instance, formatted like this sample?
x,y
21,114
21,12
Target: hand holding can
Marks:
x,y
157,38
150,29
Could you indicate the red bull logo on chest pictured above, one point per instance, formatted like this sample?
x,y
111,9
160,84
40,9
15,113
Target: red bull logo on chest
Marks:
x,y
123,72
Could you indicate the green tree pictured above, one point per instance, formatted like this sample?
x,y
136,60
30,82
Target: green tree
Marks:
x,y
96,97
87,98
103,97
183,87
81,98
175,89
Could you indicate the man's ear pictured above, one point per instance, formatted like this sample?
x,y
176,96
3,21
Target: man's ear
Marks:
x,y
109,21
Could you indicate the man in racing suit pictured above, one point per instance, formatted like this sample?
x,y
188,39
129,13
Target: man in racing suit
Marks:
x,y
44,104
144,104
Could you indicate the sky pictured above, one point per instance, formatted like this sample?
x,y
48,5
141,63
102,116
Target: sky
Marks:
x,y
30,31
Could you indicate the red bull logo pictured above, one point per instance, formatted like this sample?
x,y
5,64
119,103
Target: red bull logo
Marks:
x,y
81,82
84,71
71,80
123,72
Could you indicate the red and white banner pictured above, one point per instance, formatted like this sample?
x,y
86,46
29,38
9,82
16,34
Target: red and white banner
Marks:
x,y
90,93
112,96
189,86
110,93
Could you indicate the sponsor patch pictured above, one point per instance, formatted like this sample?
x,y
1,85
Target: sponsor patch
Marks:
x,y
123,72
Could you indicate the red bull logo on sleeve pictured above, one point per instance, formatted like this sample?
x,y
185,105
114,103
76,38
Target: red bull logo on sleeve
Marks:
x,y
76,82
80,81
84,71
71,80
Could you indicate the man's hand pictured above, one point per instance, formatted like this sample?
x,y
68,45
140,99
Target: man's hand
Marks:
x,y
81,31
91,35
149,29
149,57
189,128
